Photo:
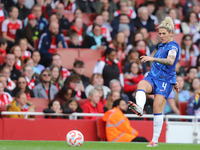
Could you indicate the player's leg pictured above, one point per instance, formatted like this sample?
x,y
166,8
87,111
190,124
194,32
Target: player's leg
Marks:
x,y
143,87
158,105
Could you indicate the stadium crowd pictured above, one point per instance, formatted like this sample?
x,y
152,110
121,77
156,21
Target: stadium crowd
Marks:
x,y
33,31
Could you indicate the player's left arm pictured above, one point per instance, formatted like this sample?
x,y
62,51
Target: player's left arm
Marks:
x,y
166,61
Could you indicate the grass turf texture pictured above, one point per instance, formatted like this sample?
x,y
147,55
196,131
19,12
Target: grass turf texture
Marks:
x,y
56,145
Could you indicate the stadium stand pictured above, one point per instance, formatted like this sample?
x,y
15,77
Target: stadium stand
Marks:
x,y
101,130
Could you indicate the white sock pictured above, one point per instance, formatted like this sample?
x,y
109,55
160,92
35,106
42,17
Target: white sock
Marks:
x,y
140,98
157,126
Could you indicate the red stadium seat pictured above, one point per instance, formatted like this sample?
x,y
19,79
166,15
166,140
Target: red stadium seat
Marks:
x,y
40,109
86,18
68,56
153,35
82,101
178,38
139,2
89,65
2,59
93,54
39,102
183,108
1,28
69,16
92,15
36,43
101,129
183,2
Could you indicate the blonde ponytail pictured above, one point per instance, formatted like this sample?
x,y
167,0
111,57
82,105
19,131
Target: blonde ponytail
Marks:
x,y
167,24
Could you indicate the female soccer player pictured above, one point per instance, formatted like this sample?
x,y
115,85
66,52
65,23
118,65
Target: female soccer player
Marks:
x,y
161,78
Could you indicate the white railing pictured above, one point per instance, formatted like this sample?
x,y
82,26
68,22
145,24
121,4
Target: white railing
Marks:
x,y
174,133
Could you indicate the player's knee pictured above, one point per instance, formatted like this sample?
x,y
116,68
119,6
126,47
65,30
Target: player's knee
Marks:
x,y
157,108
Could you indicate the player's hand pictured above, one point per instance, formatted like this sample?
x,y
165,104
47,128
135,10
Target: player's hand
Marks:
x,y
146,58
31,109
176,87
60,45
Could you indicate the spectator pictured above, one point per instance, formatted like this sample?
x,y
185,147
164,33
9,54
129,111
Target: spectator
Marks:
x,y
74,81
115,85
95,39
189,51
177,4
195,85
64,94
114,95
171,106
126,30
56,60
10,26
134,56
23,44
10,85
5,98
86,6
77,27
73,104
151,8
36,59
4,13
49,8
161,13
109,67
42,23
4,81
23,11
102,100
187,5
119,43
7,4
55,77
20,104
19,62
74,41
10,63
29,61
190,24
55,107
122,19
177,23
49,41
92,104
196,8
151,44
98,19
79,70
3,46
31,80
22,86
191,74
78,14
106,22
124,9
97,79
45,89
30,32
132,78
198,69
106,6
193,105
144,20
118,128
63,22
69,6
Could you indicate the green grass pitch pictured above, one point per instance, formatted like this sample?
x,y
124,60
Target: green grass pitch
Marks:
x,y
55,145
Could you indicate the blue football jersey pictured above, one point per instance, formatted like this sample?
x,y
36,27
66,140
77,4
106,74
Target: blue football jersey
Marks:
x,y
165,72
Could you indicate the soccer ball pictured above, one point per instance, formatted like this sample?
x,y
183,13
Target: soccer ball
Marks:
x,y
74,138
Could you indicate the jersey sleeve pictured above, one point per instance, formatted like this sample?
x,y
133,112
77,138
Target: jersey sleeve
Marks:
x,y
174,47
4,26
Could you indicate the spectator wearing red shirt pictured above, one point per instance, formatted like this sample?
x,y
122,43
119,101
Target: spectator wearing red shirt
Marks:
x,y
92,104
56,60
19,62
10,26
102,101
45,89
49,41
3,46
5,98
77,27
23,43
69,6
132,78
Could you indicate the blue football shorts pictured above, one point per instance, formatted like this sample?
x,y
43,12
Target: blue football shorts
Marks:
x,y
160,87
